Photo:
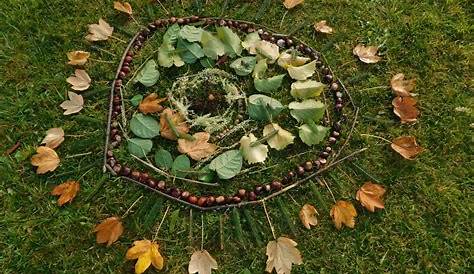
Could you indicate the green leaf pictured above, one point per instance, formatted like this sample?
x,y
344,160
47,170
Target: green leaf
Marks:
x,y
139,147
171,35
189,52
302,72
180,165
168,57
308,110
207,62
231,40
148,74
191,33
260,69
263,108
268,50
269,84
163,159
228,164
250,42
136,100
206,174
312,134
212,46
306,89
243,66
144,126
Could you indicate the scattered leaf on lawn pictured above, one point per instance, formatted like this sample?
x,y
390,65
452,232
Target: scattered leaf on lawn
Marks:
x,y
302,72
289,4
151,104
148,74
45,159
227,164
308,215
201,263
74,104
99,32
54,137
147,253
267,50
370,196
322,27
343,212
405,108
80,81
367,55
402,87
123,7
66,191
306,89
407,147
256,153
178,122
144,126
291,58
199,148
282,254
78,57
139,147
281,139
109,230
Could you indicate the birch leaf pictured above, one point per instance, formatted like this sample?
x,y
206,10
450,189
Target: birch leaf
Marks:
x,y
367,55
260,69
268,84
402,87
123,7
80,81
281,139
268,50
201,263
256,153
308,110
243,66
212,46
228,164
231,41
302,72
290,58
312,134
282,254
99,32
148,74
405,109
407,147
191,33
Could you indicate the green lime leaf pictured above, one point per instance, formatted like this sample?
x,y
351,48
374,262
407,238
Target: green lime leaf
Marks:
x,y
136,100
302,72
312,134
228,164
263,108
250,42
207,62
144,126
260,69
231,40
308,110
139,147
171,35
268,84
306,89
189,52
212,46
206,174
180,165
148,74
167,56
191,33
243,66
163,159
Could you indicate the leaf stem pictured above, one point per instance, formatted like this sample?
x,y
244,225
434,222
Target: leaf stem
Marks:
x,y
376,137
133,204
161,222
268,219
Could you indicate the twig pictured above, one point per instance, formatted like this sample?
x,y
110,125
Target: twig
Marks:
x,y
283,18
327,186
12,148
349,136
221,230
268,219
190,225
118,39
79,155
372,88
133,204
202,231
376,137
161,222
166,11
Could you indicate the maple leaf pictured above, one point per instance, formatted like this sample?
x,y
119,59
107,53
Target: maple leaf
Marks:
x,y
66,191
54,137
406,146
308,215
199,148
405,108
289,4
74,104
343,212
151,104
78,57
147,253
99,32
370,196
80,81
322,27
46,160
367,55
109,230
178,121
123,7
201,262
282,254
402,87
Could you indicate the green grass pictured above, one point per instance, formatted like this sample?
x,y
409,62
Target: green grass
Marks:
x,y
427,223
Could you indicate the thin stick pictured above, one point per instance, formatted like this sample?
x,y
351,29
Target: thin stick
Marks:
x,y
202,232
84,174
349,136
327,186
101,61
118,39
372,88
159,226
79,155
283,18
191,225
133,204
376,137
221,230
268,219
166,11
103,50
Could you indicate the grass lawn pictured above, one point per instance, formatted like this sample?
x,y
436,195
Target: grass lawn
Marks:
x,y
425,228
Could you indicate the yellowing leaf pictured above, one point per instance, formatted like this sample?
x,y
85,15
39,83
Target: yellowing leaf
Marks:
x,y
405,108
267,50
302,72
367,54
402,87
253,153
74,104
147,253
407,147
80,80
287,58
78,57
99,32
280,139
66,191
308,216
289,4
109,230
151,104
370,196
199,148
282,254
54,137
123,7
322,27
178,122
46,160
343,212
201,263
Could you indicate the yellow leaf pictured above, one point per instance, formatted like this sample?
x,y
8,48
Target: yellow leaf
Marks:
x,y
80,81
54,137
289,4
322,27
123,7
46,160
402,87
405,108
282,254
151,104
370,196
202,262
253,153
281,139
109,230
78,57
147,253
66,191
407,147
177,120
74,104
343,212
99,32
367,54
308,216
198,148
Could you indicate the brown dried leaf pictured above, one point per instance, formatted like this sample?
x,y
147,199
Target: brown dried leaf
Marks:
x,y
289,4
80,81
402,87
151,104
54,137
201,263
147,253
66,191
123,7
46,160
343,212
405,108
370,196
177,119
322,27
78,57
99,32
282,254
109,230
199,148
308,215
407,147
74,104
367,55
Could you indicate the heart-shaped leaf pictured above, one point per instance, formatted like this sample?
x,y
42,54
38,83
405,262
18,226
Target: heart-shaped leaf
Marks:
x,y
291,58
302,72
189,52
139,147
308,110
268,50
231,40
191,33
212,46
163,159
144,126
180,165
256,153
250,42
312,134
281,139
148,74
228,164
269,84
263,108
243,66
306,89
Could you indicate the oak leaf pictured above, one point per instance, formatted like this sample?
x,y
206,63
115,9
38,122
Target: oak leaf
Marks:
x,y
407,147
282,254
322,27
289,4
367,55
66,191
78,57
199,148
178,122
147,253
201,263
74,104
80,81
46,160
123,7
54,137
151,104
308,215
370,196
405,109
109,230
402,87
99,32
343,212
